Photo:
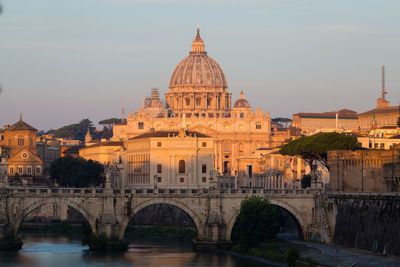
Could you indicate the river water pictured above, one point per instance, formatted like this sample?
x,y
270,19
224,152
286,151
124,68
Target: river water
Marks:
x,y
63,251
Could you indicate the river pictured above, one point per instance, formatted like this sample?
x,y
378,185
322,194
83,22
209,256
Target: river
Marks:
x,y
41,250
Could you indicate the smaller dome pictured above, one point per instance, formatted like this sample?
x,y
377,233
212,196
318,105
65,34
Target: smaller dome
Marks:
x,y
154,101
241,102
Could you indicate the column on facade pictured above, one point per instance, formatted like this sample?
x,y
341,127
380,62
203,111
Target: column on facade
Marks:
x,y
192,174
173,170
223,101
192,101
220,157
299,164
169,170
215,155
233,157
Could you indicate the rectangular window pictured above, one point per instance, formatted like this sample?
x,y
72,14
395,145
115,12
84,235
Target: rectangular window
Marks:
x,y
182,180
2,137
11,170
159,179
204,179
198,101
159,144
37,170
140,125
21,141
159,168
204,144
20,170
382,145
258,126
203,168
29,170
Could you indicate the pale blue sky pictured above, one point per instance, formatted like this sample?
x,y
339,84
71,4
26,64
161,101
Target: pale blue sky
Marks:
x,y
61,61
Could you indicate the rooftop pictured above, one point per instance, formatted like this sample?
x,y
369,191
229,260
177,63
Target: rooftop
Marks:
x,y
20,126
106,143
167,134
393,109
343,113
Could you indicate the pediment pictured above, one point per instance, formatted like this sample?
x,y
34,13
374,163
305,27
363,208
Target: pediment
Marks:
x,y
24,156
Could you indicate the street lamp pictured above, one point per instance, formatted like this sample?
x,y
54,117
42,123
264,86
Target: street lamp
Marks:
x,y
155,181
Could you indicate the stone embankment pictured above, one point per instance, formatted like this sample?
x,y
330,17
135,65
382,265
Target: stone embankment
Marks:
x,y
369,223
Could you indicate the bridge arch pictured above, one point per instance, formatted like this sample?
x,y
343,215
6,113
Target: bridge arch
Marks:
x,y
200,225
291,210
51,201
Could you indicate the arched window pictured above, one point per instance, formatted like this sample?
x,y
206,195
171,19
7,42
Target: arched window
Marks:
x,y
181,166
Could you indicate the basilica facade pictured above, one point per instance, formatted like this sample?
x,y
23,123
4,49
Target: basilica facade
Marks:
x,y
198,100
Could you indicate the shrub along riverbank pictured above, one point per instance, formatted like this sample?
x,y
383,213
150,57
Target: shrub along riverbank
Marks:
x,y
279,251
255,230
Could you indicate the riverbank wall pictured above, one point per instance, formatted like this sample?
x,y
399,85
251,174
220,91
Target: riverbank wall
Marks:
x,y
369,224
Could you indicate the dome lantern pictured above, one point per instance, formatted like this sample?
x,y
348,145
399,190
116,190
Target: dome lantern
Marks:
x,y
198,46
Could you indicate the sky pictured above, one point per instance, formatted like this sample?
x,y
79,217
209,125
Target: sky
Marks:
x,y
62,61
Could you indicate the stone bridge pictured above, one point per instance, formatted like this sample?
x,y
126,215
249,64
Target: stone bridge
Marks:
x,y
109,210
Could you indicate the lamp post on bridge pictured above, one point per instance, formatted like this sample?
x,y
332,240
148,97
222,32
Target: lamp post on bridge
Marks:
x,y
155,181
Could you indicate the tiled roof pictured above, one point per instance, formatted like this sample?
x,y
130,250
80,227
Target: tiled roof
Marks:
x,y
20,125
72,150
107,143
166,134
394,109
343,114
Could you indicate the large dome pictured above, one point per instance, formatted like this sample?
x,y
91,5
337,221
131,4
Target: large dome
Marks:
x,y
198,69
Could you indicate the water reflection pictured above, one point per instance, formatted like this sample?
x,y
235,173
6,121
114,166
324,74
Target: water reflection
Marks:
x,y
52,251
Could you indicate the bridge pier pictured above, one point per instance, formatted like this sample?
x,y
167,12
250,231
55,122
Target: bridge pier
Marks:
x,y
215,227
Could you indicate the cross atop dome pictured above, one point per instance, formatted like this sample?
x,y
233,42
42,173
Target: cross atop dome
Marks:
x,y
198,46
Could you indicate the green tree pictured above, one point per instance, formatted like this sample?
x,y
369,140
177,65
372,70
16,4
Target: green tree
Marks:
x,y
284,121
76,172
75,131
257,222
108,125
315,147
292,257
306,181
110,122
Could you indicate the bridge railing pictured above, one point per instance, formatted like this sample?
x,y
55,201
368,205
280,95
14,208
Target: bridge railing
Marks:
x,y
20,190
